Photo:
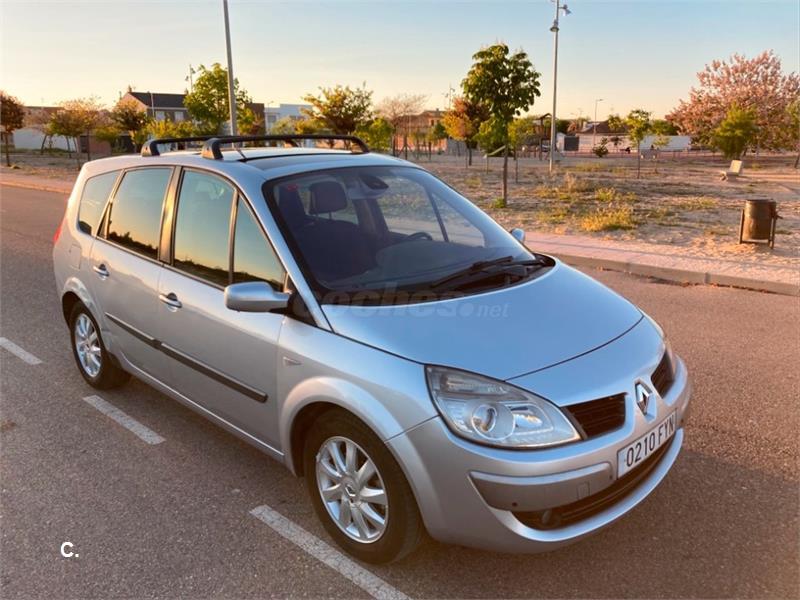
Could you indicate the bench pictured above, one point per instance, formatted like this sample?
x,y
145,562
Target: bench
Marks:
x,y
733,171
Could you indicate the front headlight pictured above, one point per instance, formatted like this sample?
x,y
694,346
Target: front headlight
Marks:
x,y
495,413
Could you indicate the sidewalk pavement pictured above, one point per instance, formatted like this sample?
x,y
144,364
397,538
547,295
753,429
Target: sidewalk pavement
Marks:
x,y
36,182
663,261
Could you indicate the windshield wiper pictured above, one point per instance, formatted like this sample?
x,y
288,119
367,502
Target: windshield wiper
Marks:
x,y
483,268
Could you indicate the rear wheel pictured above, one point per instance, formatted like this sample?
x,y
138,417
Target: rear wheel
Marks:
x,y
359,491
94,362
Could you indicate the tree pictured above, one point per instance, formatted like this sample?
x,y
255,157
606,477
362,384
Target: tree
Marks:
x,y
638,125
131,119
523,131
75,118
396,111
616,124
12,117
309,127
507,84
283,126
208,104
463,121
106,130
340,109
68,124
436,134
793,131
756,84
377,134
248,123
736,131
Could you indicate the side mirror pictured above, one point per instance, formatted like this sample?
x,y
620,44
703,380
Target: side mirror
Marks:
x,y
254,296
518,234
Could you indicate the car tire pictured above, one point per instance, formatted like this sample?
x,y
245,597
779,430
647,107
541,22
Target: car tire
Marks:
x,y
402,529
95,364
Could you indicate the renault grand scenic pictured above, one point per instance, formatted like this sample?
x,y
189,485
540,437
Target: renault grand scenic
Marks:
x,y
355,318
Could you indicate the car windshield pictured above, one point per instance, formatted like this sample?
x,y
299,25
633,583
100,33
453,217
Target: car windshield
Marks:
x,y
386,232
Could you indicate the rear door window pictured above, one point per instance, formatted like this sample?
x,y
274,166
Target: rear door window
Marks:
x,y
135,216
202,227
95,193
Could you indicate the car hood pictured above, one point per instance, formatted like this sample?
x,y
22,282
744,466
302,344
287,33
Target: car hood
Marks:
x,y
503,333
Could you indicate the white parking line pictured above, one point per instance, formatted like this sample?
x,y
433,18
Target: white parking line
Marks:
x,y
372,584
141,431
19,352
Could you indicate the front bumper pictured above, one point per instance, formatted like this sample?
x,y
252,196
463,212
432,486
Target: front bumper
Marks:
x,y
479,496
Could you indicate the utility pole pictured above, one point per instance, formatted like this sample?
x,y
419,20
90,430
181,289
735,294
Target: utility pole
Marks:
x,y
554,29
231,89
190,78
594,128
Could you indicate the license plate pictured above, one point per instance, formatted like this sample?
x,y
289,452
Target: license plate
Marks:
x,y
638,451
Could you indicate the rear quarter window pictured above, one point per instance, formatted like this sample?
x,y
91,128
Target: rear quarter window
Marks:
x,y
135,214
95,193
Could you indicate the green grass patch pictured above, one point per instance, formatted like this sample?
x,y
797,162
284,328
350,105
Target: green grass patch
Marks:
x,y
698,203
608,219
610,194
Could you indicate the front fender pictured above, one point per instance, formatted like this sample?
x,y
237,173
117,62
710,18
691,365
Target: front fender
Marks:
x,y
388,393
341,393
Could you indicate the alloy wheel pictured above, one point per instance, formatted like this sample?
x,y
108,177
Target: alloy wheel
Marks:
x,y
87,345
352,489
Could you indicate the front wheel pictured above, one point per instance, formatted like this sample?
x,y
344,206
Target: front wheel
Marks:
x,y
359,491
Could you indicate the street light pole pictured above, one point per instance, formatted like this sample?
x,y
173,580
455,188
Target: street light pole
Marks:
x,y
594,128
554,29
231,89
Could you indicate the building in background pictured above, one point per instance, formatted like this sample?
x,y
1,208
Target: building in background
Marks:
x,y
160,106
169,107
273,114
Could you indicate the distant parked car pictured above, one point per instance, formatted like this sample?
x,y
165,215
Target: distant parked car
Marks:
x,y
360,321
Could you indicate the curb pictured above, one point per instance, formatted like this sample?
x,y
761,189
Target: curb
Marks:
x,y
681,275
36,186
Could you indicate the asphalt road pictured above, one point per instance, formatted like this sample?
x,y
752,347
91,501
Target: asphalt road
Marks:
x,y
173,519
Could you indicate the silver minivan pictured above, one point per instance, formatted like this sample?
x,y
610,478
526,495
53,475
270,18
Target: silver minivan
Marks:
x,y
355,318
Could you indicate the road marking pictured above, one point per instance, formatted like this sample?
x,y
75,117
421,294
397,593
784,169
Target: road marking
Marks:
x,y
19,352
141,431
370,583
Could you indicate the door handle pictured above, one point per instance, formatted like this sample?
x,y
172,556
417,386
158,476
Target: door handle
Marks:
x,y
170,300
101,270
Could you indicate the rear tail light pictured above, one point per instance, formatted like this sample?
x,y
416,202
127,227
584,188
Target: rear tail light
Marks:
x,y
57,234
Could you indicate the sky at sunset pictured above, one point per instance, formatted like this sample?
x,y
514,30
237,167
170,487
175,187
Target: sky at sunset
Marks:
x,y
631,54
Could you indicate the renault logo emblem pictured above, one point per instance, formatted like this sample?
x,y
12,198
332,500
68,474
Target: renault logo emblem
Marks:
x,y
642,397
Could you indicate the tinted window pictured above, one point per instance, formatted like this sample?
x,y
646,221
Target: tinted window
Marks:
x,y
93,200
415,235
135,217
253,257
202,227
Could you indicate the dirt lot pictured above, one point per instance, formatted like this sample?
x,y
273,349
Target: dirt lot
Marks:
x,y
679,202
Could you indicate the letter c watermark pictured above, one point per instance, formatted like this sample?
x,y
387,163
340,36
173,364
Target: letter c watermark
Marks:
x,y
66,550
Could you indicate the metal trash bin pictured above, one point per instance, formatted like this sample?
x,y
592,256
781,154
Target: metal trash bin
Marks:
x,y
757,223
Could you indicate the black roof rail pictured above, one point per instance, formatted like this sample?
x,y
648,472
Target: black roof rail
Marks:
x,y
211,149
150,147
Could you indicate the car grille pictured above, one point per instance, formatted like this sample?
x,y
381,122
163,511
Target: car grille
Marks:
x,y
597,417
663,376
567,514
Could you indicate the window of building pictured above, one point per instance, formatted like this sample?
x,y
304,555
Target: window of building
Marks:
x,y
93,200
135,215
202,227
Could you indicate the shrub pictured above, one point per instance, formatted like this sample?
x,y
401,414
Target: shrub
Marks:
x,y
611,194
608,219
